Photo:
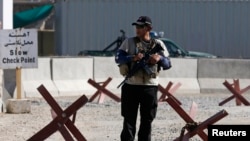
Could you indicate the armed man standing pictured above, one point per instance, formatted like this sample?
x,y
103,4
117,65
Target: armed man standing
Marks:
x,y
140,59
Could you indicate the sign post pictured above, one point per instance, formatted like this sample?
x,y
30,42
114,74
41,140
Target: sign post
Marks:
x,y
19,82
18,48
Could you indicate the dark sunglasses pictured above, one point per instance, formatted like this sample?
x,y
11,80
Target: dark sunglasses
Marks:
x,y
139,26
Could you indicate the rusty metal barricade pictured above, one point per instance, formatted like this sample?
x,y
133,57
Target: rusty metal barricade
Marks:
x,y
168,91
234,88
61,119
102,91
193,128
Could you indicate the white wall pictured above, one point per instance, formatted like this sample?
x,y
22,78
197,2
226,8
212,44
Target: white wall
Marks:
x,y
6,22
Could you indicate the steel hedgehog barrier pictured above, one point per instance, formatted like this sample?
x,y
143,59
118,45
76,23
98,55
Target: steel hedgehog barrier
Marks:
x,y
168,91
192,126
61,119
102,91
234,88
62,122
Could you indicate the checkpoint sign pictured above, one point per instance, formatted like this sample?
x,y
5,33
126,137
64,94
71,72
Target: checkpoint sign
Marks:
x,y
18,48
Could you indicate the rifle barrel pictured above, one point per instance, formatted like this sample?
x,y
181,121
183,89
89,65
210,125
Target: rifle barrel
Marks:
x,y
121,83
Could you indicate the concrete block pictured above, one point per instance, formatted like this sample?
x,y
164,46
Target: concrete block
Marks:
x,y
32,78
9,85
188,85
5,98
213,85
213,72
18,106
105,67
184,70
70,75
9,82
224,68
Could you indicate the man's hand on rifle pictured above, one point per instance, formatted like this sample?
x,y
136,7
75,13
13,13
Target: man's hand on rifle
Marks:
x,y
138,57
154,58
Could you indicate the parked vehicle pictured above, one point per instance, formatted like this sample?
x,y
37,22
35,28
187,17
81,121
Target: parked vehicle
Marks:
x,y
176,51
107,51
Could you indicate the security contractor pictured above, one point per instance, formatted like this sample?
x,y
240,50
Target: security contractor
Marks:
x,y
140,90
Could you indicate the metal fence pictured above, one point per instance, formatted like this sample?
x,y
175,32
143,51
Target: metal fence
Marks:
x,y
219,27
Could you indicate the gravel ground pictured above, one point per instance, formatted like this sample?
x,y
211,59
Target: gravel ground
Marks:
x,y
103,122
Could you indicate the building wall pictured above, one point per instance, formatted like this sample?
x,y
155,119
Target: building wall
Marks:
x,y
219,27
46,46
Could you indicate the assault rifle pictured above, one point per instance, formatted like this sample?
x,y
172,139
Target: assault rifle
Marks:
x,y
142,64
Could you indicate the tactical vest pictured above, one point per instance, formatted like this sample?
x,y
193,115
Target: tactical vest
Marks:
x,y
140,49
125,68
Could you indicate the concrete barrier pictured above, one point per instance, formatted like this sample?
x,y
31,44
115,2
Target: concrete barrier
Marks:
x,y
9,83
213,72
70,75
8,86
183,71
105,67
32,78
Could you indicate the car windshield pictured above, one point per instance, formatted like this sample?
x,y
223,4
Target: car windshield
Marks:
x,y
173,49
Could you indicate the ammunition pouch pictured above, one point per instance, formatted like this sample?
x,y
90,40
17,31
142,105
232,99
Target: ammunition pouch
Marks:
x,y
152,71
124,69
